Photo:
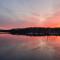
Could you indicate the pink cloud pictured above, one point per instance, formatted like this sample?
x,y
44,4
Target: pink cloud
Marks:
x,y
33,21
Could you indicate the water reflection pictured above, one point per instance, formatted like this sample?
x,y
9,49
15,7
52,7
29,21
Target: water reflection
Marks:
x,y
14,47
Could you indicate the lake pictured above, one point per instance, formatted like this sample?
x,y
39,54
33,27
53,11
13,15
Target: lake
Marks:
x,y
20,47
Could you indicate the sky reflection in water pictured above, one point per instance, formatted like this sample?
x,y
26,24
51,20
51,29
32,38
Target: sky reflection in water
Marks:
x,y
14,47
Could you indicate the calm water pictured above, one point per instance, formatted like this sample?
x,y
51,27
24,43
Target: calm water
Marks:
x,y
18,47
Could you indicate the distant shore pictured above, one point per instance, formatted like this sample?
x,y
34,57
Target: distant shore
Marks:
x,y
33,31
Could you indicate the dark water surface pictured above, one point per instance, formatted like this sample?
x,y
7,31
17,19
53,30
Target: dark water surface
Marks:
x,y
18,47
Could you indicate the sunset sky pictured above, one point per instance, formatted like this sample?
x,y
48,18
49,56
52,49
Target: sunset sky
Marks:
x,y
29,13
